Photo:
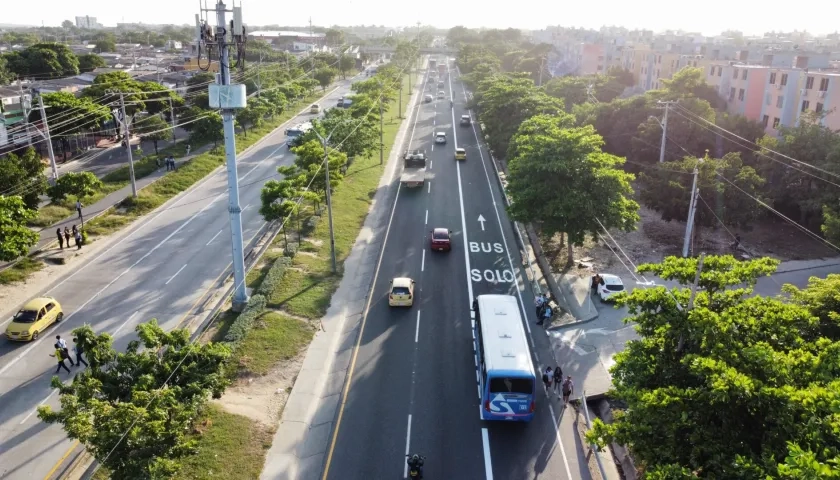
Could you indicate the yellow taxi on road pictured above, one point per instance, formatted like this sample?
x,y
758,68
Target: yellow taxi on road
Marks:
x,y
460,154
35,317
402,292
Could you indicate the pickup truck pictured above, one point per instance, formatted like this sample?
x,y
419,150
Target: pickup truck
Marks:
x,y
414,168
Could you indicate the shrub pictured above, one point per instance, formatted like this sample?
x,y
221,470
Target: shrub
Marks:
x,y
243,323
274,276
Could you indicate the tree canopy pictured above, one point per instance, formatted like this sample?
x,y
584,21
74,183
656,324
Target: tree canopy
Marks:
x,y
43,60
15,236
22,175
738,387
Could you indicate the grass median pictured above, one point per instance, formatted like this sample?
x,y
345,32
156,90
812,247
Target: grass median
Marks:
x,y
303,295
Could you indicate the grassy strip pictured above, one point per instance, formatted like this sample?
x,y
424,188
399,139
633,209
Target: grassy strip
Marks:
x,y
20,271
300,298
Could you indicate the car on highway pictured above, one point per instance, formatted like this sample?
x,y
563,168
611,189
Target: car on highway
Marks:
x,y
440,137
441,95
440,84
460,154
466,120
440,240
402,292
611,286
315,108
33,318
428,99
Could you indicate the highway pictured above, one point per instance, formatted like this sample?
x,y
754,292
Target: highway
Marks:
x,y
160,267
413,383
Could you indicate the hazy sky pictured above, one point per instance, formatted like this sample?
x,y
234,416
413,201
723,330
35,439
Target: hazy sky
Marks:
x,y
708,17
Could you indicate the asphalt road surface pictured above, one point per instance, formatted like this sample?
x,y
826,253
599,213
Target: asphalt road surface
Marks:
x,y
414,385
158,268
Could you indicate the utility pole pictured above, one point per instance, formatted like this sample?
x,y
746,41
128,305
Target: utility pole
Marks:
x,y
329,197
172,120
542,64
381,127
47,138
311,49
26,106
664,126
127,140
681,342
400,104
692,209
259,78
228,97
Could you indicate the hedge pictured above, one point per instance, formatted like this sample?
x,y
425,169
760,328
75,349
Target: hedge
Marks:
x,y
245,320
273,277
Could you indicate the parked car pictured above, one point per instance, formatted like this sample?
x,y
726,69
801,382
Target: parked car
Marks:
x,y
611,286
33,318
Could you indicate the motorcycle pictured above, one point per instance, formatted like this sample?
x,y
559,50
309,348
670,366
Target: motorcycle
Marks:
x,y
415,466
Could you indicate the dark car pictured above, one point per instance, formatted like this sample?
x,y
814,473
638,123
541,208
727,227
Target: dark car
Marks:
x,y
440,240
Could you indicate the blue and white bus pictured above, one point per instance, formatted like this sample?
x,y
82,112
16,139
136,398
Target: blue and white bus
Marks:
x,y
507,381
296,131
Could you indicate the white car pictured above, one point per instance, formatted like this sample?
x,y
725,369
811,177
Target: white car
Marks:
x,y
441,95
440,137
612,285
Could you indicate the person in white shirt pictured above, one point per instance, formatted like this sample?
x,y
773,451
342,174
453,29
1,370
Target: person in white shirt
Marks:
x,y
568,388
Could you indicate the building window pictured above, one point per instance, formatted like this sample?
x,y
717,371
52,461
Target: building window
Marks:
x,y
744,75
741,94
823,84
600,67
805,105
732,94
712,72
783,81
735,73
780,101
765,120
819,108
720,71
767,99
776,122
809,83
773,78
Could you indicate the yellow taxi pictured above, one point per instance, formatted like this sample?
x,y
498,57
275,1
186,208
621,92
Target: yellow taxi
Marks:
x,y
35,317
401,293
460,154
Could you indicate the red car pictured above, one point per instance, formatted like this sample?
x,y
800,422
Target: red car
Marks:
x,y
440,240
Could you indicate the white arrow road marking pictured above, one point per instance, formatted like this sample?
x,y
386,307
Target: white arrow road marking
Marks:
x,y
481,220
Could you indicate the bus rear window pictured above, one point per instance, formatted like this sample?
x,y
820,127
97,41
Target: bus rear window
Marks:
x,y
511,385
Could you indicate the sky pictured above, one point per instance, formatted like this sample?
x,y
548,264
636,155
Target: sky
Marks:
x,y
708,17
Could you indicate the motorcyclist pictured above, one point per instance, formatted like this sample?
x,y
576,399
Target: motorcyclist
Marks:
x,y
415,462
451,104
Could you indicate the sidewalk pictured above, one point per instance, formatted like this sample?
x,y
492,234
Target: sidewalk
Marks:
x,y
48,237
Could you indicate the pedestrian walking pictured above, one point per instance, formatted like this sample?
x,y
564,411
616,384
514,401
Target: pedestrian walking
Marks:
x,y
60,238
73,232
547,377
568,388
558,380
62,344
539,301
188,149
78,236
67,237
79,208
79,350
59,356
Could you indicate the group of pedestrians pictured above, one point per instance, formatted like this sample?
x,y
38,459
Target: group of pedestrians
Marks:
x,y
64,237
554,382
170,163
544,311
62,353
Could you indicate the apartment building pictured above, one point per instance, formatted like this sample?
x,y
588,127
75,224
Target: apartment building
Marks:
x,y
14,104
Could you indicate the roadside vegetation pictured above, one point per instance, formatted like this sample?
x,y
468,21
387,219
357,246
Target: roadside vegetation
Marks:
x,y
750,381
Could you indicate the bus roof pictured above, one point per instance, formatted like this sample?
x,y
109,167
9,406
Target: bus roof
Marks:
x,y
505,345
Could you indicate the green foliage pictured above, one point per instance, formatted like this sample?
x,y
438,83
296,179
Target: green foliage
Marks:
x,y
15,237
668,190
334,36
561,180
103,86
254,114
43,60
77,184
325,76
6,75
354,137
157,98
23,175
90,61
310,159
106,45
345,64
153,128
77,115
245,321
274,276
738,387
134,410
208,128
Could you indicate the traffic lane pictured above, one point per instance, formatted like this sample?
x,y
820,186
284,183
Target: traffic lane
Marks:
x,y
447,429
379,398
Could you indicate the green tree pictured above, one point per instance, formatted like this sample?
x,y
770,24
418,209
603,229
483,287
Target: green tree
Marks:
x,y
668,190
90,61
104,85
737,387
325,76
6,75
253,114
157,98
345,64
106,45
309,160
208,128
23,175
77,184
67,25
44,60
15,237
545,158
354,137
153,128
281,199
334,37
77,115
134,410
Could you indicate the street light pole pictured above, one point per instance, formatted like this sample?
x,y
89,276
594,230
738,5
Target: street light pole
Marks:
x,y
48,138
329,197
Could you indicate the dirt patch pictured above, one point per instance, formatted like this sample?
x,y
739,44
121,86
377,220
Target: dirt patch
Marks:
x,y
314,241
655,239
262,398
310,254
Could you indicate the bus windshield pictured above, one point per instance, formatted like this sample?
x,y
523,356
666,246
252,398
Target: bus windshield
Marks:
x,y
511,385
